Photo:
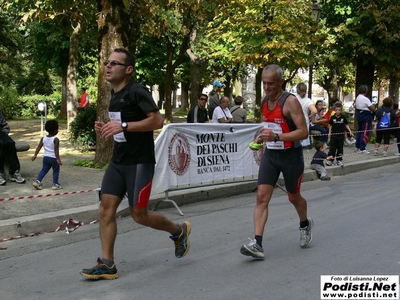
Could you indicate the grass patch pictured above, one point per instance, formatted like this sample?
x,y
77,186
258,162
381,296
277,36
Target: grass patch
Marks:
x,y
89,164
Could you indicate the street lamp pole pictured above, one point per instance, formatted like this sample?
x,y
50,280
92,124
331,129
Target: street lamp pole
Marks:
x,y
315,14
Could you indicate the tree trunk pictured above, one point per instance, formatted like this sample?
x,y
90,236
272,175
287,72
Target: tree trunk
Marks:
x,y
394,89
112,34
365,75
257,88
63,111
195,68
184,96
71,74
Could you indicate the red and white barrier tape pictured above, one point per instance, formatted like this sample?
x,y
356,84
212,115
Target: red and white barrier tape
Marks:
x,y
351,154
65,223
44,195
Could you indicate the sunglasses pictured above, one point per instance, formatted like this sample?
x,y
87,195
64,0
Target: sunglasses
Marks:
x,y
204,99
113,63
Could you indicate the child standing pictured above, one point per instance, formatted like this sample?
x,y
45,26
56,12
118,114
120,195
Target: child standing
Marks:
x,y
337,127
51,156
317,162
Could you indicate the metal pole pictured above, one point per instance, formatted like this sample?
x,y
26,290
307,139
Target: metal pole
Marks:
x,y
310,80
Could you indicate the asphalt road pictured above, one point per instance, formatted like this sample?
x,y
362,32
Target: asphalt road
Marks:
x,y
356,232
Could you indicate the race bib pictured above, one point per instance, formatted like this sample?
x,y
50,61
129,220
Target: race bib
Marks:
x,y
276,128
116,116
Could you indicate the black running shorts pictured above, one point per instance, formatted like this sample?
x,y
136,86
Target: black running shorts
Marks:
x,y
135,180
290,162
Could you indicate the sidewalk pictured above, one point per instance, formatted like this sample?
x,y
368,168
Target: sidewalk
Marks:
x,y
79,201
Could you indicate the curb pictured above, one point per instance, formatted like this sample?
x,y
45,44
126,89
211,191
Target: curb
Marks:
x,y
48,222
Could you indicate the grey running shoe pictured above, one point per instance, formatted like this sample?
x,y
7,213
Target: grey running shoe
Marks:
x,y
182,243
325,178
375,152
339,163
37,185
252,249
3,180
305,234
384,153
56,186
100,271
329,163
17,177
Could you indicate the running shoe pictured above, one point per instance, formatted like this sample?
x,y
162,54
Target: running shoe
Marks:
x,y
384,153
365,152
17,177
253,249
375,152
56,186
339,163
3,180
347,142
100,271
329,163
37,185
305,234
182,243
325,178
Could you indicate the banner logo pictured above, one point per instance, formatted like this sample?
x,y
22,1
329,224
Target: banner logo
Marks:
x,y
179,154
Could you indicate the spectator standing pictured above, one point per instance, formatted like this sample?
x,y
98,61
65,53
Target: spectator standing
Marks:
x,y
134,115
307,106
221,113
51,156
8,153
198,113
384,131
238,113
338,125
213,98
284,127
317,162
84,102
364,111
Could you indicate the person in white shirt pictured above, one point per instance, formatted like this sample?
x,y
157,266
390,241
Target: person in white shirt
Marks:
x,y
221,113
309,109
364,109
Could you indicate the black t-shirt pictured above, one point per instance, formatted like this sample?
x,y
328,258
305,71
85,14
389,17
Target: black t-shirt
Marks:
x,y
202,115
338,125
133,102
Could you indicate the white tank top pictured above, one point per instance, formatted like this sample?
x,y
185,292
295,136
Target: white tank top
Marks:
x,y
48,144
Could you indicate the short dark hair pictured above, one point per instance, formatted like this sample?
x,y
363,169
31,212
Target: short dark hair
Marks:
x,y
318,145
238,100
129,58
318,102
51,126
387,102
338,104
203,95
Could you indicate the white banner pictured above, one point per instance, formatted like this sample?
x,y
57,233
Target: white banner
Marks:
x,y
193,155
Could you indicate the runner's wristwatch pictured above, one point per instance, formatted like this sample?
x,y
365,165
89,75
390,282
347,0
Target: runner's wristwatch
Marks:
x,y
276,137
124,126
